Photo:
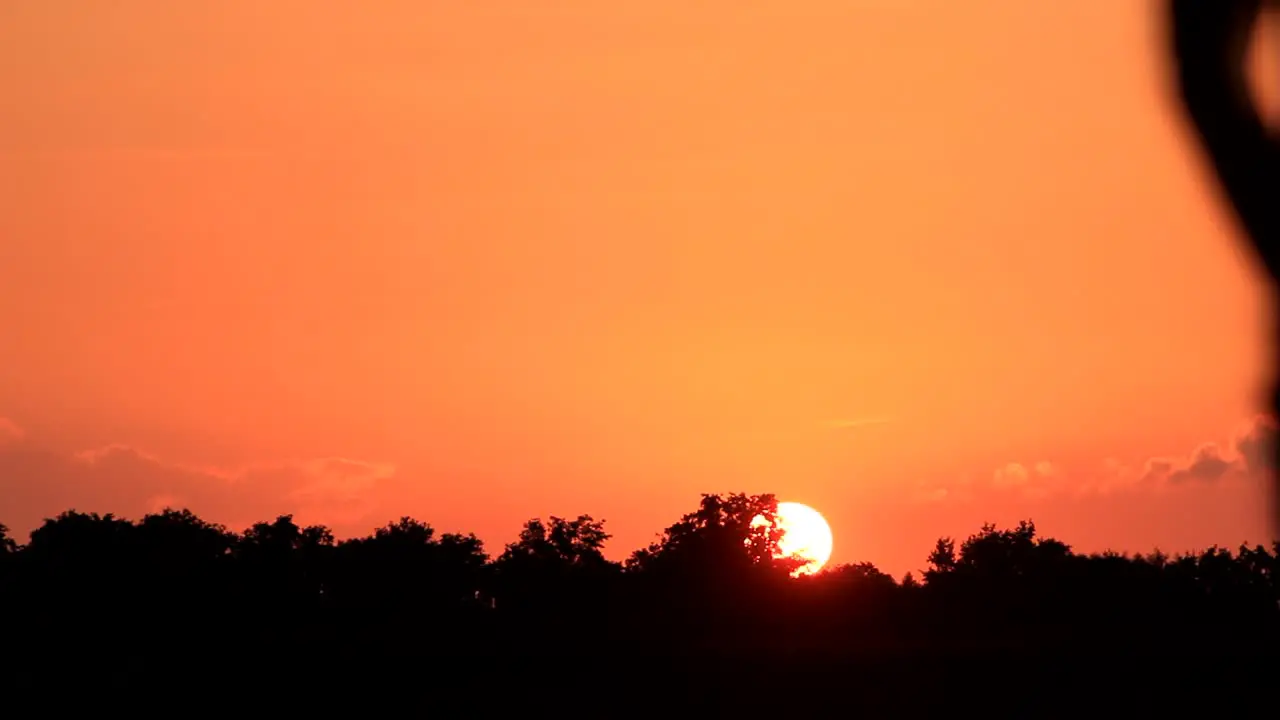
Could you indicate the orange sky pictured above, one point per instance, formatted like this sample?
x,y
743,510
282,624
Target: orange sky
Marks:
x,y
478,262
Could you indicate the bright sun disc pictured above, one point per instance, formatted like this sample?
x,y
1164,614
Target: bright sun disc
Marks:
x,y
806,535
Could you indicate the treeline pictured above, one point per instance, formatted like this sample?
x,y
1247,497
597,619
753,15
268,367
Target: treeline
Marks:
x,y
170,589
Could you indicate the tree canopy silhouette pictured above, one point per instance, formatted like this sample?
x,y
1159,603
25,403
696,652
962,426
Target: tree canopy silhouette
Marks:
x,y
710,601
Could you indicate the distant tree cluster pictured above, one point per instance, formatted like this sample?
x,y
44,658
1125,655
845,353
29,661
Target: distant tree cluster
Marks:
x,y
171,587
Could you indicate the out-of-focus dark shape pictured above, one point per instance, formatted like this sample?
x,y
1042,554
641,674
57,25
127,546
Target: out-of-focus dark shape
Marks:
x,y
1210,43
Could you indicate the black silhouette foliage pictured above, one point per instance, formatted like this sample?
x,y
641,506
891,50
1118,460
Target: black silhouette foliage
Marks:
x,y
173,599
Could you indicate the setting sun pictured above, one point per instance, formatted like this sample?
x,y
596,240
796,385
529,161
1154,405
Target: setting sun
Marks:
x,y
806,535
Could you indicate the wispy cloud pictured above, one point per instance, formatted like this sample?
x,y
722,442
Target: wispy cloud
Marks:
x,y
1248,455
38,482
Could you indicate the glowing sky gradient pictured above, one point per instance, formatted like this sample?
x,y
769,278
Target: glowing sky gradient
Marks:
x,y
923,263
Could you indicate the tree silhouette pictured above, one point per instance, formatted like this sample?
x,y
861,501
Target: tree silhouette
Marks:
x,y
716,571
556,555
405,565
554,582
709,606
183,566
722,536
8,545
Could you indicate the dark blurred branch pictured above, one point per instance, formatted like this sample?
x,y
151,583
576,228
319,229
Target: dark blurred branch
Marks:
x,y
1210,43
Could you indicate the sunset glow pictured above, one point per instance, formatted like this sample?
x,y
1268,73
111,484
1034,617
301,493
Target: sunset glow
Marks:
x,y
807,535
934,263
